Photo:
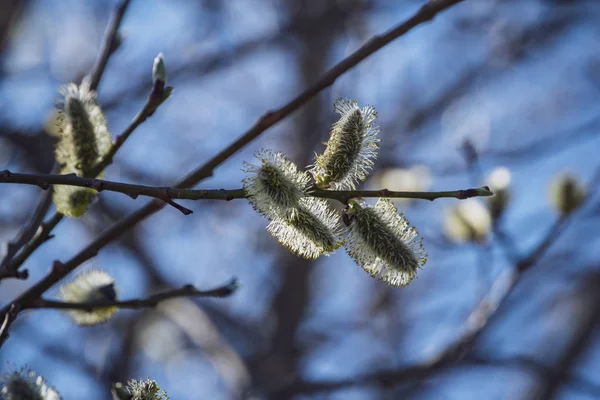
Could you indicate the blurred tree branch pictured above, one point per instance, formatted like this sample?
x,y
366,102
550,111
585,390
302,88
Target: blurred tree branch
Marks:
x,y
151,301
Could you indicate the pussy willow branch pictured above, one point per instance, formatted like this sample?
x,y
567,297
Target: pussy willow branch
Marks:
x,y
26,239
187,291
154,100
426,13
168,193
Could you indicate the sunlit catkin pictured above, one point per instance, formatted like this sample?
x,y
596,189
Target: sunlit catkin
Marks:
x,y
274,186
351,148
310,230
383,242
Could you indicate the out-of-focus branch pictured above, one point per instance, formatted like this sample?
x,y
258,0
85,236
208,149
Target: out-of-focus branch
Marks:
x,y
9,318
426,13
166,193
28,231
108,44
187,291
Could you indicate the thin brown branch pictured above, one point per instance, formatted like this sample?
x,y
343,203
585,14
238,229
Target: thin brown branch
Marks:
x,y
9,318
426,13
186,291
27,232
167,194
108,43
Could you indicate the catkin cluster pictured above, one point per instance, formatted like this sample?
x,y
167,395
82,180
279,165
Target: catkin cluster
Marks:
x,y
379,239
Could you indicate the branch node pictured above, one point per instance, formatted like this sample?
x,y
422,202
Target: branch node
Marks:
x,y
184,210
97,185
23,275
57,268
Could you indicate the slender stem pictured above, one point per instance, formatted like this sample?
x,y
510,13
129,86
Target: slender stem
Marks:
x,y
166,193
25,235
155,98
187,291
345,195
9,318
108,43
426,13
40,238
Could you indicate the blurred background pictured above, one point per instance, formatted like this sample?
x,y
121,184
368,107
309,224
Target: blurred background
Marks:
x,y
497,92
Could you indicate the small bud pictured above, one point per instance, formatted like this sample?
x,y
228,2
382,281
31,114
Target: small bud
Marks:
x,y
311,230
21,385
567,193
469,221
276,185
351,148
498,181
91,286
159,71
383,243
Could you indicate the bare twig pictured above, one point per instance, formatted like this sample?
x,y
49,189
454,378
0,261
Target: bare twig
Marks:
x,y
344,195
187,291
424,14
9,318
23,238
166,193
43,234
110,37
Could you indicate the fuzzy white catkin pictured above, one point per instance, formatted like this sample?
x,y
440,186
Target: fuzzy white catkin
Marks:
x,y
383,243
351,149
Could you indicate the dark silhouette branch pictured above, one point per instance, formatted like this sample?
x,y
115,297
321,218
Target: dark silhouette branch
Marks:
x,y
166,193
108,43
7,269
9,318
186,291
